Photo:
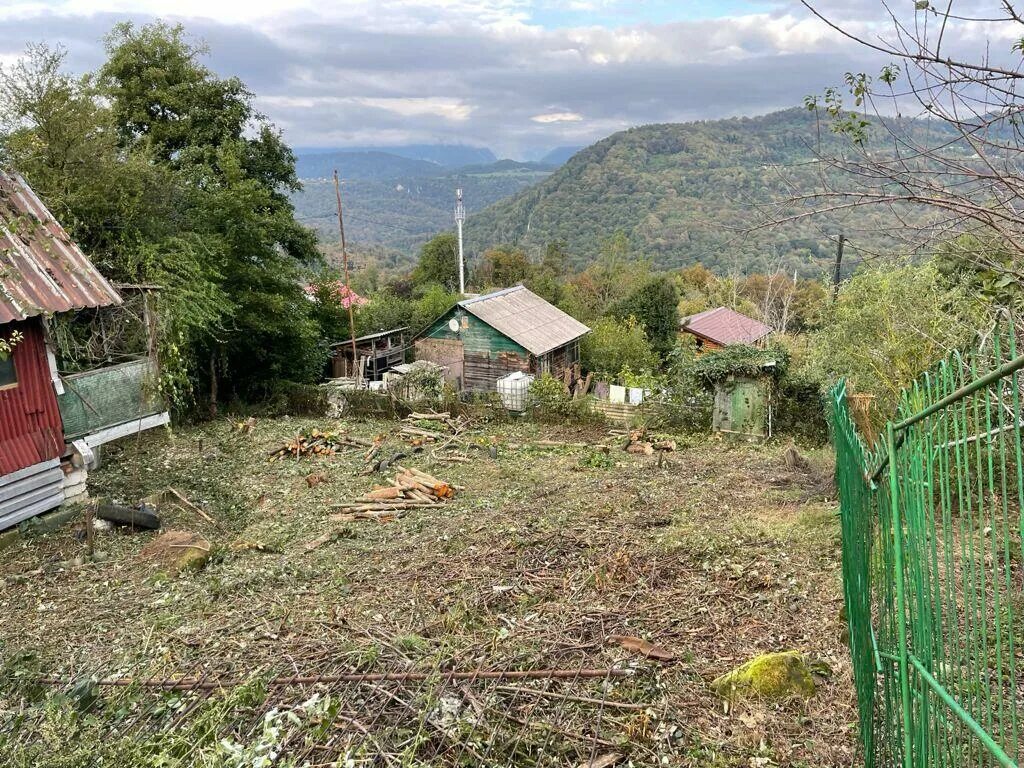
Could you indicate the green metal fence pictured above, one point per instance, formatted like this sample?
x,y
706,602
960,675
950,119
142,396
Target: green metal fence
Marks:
x,y
933,569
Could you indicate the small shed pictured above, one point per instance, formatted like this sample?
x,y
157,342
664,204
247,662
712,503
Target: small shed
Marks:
x,y
381,352
741,407
721,326
484,338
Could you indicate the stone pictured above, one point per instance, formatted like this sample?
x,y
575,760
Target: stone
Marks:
x,y
773,676
177,551
76,493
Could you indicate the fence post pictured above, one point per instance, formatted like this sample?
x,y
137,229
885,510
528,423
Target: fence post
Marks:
x,y
901,599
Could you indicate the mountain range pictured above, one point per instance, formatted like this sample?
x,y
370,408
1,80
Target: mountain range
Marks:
x,y
683,193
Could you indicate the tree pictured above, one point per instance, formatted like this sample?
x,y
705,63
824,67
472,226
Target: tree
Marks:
x,y
655,305
504,266
615,275
430,306
162,97
165,174
614,345
236,171
386,310
439,262
556,258
547,279
960,166
888,325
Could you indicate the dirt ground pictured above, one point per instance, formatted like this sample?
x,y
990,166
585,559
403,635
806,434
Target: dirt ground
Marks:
x,y
547,553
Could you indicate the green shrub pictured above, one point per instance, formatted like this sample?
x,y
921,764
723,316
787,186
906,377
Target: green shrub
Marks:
x,y
614,345
548,401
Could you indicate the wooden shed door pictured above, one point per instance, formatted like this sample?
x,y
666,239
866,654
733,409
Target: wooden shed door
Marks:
x,y
30,424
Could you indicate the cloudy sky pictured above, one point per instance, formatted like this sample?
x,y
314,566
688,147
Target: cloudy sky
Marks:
x,y
519,76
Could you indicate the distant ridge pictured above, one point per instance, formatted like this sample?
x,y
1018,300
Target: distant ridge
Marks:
x,y
559,155
362,164
685,193
445,155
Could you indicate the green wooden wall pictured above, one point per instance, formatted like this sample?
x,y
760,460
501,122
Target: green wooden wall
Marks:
x,y
474,333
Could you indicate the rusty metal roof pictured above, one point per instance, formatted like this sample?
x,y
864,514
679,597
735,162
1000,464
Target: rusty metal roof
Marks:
x,y
526,318
41,268
725,326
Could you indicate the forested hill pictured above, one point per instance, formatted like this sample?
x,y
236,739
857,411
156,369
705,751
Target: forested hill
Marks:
x,y
686,193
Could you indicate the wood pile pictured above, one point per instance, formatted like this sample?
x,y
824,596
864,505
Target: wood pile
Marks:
x,y
409,489
638,444
420,428
315,442
576,386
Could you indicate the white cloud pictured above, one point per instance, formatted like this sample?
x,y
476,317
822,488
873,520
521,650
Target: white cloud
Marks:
x,y
450,109
558,117
478,71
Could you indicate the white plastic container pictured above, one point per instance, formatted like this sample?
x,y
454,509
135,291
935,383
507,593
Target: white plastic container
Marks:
x,y
513,390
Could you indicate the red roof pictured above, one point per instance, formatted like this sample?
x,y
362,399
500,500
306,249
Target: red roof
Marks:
x,y
41,269
725,326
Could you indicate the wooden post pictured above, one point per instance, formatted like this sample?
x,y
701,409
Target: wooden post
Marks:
x,y
344,261
213,385
149,319
89,532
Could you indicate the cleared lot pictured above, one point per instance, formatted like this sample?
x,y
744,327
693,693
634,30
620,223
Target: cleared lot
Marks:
x,y
325,642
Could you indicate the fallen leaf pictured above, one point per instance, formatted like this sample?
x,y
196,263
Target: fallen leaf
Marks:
x,y
604,761
644,648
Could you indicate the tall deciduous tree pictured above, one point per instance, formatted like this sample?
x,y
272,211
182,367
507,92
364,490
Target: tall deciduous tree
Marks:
x,y
888,325
504,266
439,262
166,173
655,306
614,345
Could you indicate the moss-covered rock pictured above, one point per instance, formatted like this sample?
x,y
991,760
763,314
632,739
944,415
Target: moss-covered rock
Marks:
x,y
177,551
772,676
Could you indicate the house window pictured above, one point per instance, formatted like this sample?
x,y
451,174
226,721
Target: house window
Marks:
x,y
8,375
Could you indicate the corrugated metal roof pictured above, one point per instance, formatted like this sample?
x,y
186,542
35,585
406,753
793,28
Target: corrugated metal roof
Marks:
x,y
41,269
526,318
725,326
370,336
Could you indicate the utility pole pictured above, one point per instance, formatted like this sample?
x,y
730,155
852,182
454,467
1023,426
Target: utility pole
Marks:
x,y
460,216
344,261
839,266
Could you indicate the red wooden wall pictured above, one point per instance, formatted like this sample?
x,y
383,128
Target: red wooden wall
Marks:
x,y
30,425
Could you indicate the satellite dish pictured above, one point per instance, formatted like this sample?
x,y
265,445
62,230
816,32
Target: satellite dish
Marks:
x,y
453,325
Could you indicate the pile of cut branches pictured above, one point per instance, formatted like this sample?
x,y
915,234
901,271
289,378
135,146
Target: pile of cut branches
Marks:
x,y
420,428
315,442
409,489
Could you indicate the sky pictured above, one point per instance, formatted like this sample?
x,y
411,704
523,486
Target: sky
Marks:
x,y
518,76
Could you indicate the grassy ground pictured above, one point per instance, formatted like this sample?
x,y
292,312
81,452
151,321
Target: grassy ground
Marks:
x,y
722,554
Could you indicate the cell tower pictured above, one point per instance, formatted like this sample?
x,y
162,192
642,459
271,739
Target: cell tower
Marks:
x,y
460,216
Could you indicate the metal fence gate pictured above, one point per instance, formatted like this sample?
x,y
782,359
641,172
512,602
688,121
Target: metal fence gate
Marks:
x,y
933,568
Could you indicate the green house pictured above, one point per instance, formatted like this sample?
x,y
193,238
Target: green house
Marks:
x,y
483,338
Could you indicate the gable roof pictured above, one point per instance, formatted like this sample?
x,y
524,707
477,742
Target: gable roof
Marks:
x,y
41,269
725,326
526,318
